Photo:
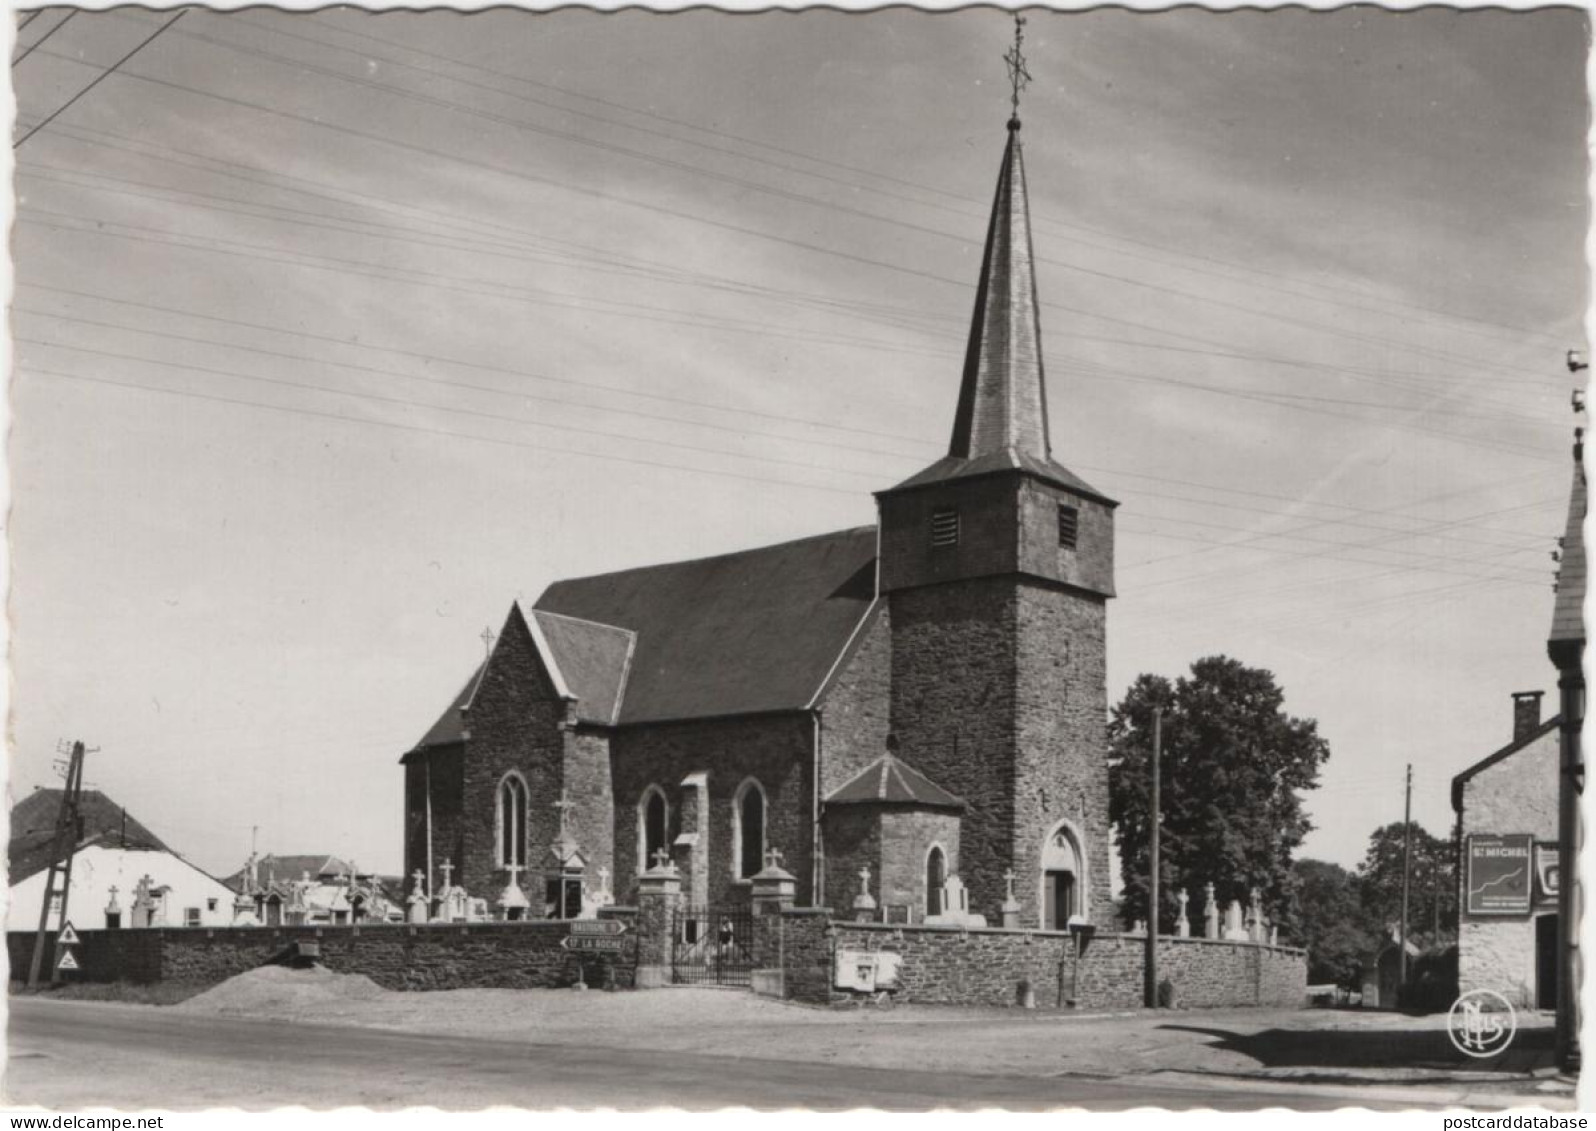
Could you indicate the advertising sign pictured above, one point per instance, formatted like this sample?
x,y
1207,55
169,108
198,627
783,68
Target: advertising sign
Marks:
x,y
1498,874
1546,873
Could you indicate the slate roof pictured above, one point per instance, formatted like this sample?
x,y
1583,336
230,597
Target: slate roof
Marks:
x,y
33,828
594,659
1568,620
450,726
890,781
752,631
956,467
1507,751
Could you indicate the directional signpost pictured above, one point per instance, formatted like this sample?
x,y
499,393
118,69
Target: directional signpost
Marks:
x,y
596,936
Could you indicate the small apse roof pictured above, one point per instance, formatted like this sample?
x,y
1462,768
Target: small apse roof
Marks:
x,y
890,781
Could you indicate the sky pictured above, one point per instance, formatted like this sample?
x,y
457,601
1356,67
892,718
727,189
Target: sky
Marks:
x,y
336,333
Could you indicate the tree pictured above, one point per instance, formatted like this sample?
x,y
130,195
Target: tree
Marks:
x,y
1432,889
1332,924
1233,764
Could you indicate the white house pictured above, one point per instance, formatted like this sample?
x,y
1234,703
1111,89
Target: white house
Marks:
x,y
122,874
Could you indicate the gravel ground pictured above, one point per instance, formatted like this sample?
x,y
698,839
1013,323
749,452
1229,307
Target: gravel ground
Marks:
x,y
1284,1044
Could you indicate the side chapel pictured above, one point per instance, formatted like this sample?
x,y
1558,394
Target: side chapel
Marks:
x,y
924,697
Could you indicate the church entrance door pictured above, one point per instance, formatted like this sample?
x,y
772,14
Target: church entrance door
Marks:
x,y
712,946
1058,900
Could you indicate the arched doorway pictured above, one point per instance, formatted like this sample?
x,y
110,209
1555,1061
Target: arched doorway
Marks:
x,y
936,876
1063,878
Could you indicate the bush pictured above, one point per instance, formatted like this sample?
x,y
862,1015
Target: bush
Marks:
x,y
1432,982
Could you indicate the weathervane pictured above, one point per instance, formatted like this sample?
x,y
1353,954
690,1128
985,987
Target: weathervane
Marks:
x,y
1018,75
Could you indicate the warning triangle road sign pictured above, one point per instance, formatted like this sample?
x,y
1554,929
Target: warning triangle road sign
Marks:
x,y
68,936
67,961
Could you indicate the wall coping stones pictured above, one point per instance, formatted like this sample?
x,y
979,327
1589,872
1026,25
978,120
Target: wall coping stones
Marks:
x,y
1123,936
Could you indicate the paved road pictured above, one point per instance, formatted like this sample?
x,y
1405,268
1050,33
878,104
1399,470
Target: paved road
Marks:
x,y
71,1055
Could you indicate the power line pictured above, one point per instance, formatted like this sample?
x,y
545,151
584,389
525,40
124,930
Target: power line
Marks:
x,y
34,46
755,186
543,448
101,77
858,170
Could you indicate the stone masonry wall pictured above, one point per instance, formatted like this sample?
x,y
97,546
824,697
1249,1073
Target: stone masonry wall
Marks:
x,y
514,724
776,750
395,956
985,967
1062,710
855,714
953,710
446,764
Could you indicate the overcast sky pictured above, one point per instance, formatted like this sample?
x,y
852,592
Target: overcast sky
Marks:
x,y
337,333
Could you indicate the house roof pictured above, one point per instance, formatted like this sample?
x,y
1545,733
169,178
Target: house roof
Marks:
x,y
890,781
1505,752
450,726
287,868
33,818
1568,620
739,633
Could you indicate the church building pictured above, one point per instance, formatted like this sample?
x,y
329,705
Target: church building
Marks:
x,y
924,697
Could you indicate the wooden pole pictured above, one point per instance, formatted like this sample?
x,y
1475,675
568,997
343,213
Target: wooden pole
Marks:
x,y
1150,985
1407,871
62,843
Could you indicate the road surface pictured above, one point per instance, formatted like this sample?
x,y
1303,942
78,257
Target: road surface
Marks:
x,y
73,1055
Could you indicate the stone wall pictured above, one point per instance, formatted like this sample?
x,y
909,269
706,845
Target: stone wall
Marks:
x,y
434,956
948,966
514,724
854,712
776,750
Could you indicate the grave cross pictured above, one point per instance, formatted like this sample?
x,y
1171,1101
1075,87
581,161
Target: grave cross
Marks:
x,y
864,879
418,877
447,868
661,858
1008,878
512,867
773,857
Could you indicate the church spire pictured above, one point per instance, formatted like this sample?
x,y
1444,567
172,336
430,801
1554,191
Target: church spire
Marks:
x,y
1002,404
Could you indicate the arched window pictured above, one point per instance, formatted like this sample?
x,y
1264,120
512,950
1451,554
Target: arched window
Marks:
x,y
936,876
653,821
748,817
512,821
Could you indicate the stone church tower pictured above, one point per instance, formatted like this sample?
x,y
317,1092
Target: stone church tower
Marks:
x,y
996,564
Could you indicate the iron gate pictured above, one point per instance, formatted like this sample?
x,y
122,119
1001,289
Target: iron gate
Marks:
x,y
712,946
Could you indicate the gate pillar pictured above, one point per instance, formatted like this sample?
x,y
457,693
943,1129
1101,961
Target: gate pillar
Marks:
x,y
774,890
659,897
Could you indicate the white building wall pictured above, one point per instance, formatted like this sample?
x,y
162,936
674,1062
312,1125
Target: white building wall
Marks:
x,y
96,869
1517,795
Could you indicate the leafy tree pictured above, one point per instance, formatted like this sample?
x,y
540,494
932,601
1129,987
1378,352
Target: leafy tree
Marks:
x,y
1433,887
1332,924
1233,763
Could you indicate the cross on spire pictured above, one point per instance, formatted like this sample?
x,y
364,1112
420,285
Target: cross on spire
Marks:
x,y
487,641
1018,75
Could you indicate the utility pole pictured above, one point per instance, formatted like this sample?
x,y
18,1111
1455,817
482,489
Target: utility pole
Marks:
x,y
1150,969
68,831
1407,871
1568,654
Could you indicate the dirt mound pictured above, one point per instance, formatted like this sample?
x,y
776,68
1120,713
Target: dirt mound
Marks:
x,y
278,987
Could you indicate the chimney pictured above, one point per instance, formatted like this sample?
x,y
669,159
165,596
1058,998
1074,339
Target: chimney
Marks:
x,y
1526,713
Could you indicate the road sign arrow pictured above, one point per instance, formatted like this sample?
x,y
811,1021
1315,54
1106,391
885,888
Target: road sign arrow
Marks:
x,y
597,927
